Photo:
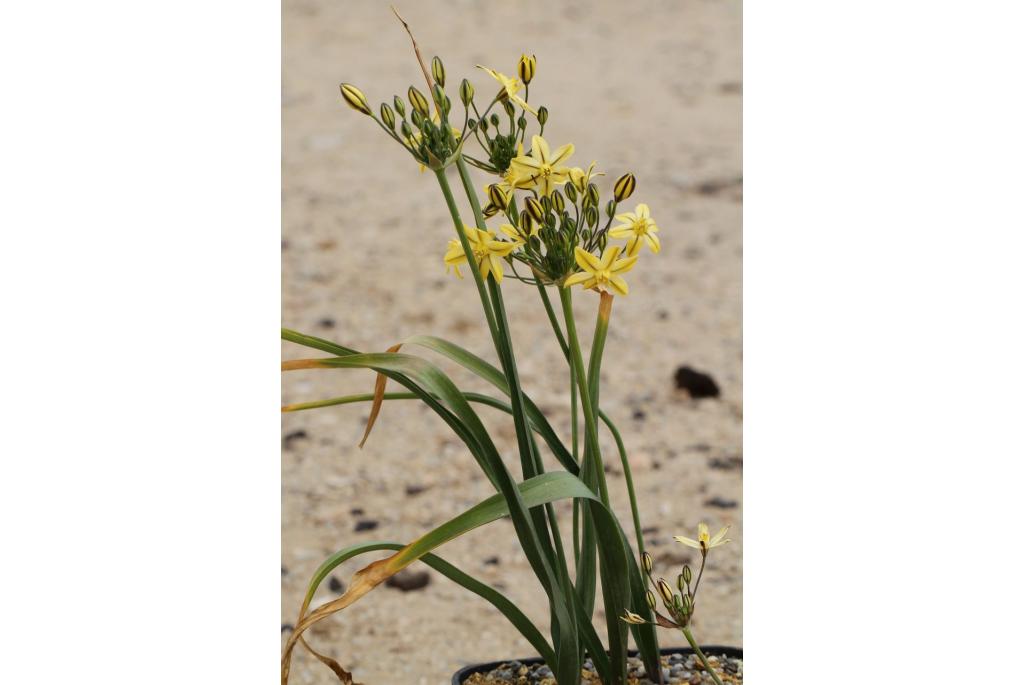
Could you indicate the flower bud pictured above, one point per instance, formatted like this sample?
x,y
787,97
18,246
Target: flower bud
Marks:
x,y
521,122
570,192
681,583
542,115
610,208
647,562
470,124
535,209
558,202
526,223
510,109
400,106
355,98
417,119
591,216
665,591
438,93
494,120
406,129
447,103
483,125
687,574
387,115
419,101
593,195
497,196
687,604
527,68
624,187
466,92
437,70
651,601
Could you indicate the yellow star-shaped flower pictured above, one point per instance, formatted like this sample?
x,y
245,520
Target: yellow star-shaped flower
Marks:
x,y
510,87
639,227
704,542
541,168
487,250
602,274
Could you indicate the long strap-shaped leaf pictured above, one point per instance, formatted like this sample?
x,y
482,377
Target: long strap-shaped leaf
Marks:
x,y
502,603
418,374
540,490
489,373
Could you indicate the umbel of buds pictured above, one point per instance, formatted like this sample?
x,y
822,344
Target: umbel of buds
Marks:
x,y
624,187
527,68
355,98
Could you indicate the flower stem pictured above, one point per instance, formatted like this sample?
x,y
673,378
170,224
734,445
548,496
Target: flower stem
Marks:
x,y
589,414
700,654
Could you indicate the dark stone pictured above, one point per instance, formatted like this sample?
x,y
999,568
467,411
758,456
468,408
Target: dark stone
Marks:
x,y
662,315
289,438
492,561
406,580
287,627
699,447
414,489
726,463
650,530
325,322
336,585
698,384
284,571
639,415
366,524
356,511
721,503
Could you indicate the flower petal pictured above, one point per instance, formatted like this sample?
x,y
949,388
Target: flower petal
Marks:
x,y
687,541
587,261
618,284
563,153
624,265
653,242
578,277
540,149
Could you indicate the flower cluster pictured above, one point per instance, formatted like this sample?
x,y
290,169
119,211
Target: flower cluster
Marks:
x,y
552,225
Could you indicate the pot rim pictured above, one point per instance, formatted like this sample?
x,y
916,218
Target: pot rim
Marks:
x,y
466,671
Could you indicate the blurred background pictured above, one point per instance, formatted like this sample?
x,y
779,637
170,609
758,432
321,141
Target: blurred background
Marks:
x,y
651,87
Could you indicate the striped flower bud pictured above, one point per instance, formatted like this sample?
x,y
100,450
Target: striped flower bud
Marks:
x,y
609,208
536,209
687,605
526,222
406,129
624,187
510,109
647,562
497,196
570,192
417,119
466,92
521,122
593,195
490,210
687,574
355,98
495,120
542,115
665,591
438,93
633,619
400,106
681,583
651,601
558,202
437,70
419,101
527,68
387,115
591,216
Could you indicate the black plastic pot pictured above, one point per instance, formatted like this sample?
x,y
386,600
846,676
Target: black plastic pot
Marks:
x,y
463,673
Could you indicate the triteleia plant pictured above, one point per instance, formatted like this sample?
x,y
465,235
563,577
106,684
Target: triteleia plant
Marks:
x,y
539,223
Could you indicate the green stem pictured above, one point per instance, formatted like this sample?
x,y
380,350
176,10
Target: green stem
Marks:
x,y
629,488
593,450
700,654
468,251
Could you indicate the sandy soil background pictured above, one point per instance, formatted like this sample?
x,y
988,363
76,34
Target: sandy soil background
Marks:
x,y
652,87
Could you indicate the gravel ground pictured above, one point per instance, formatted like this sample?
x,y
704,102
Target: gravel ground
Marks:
x,y
648,87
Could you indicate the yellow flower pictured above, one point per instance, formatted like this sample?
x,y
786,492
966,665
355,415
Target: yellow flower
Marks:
x,y
512,232
581,178
704,542
487,250
510,86
634,619
639,227
603,273
541,168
